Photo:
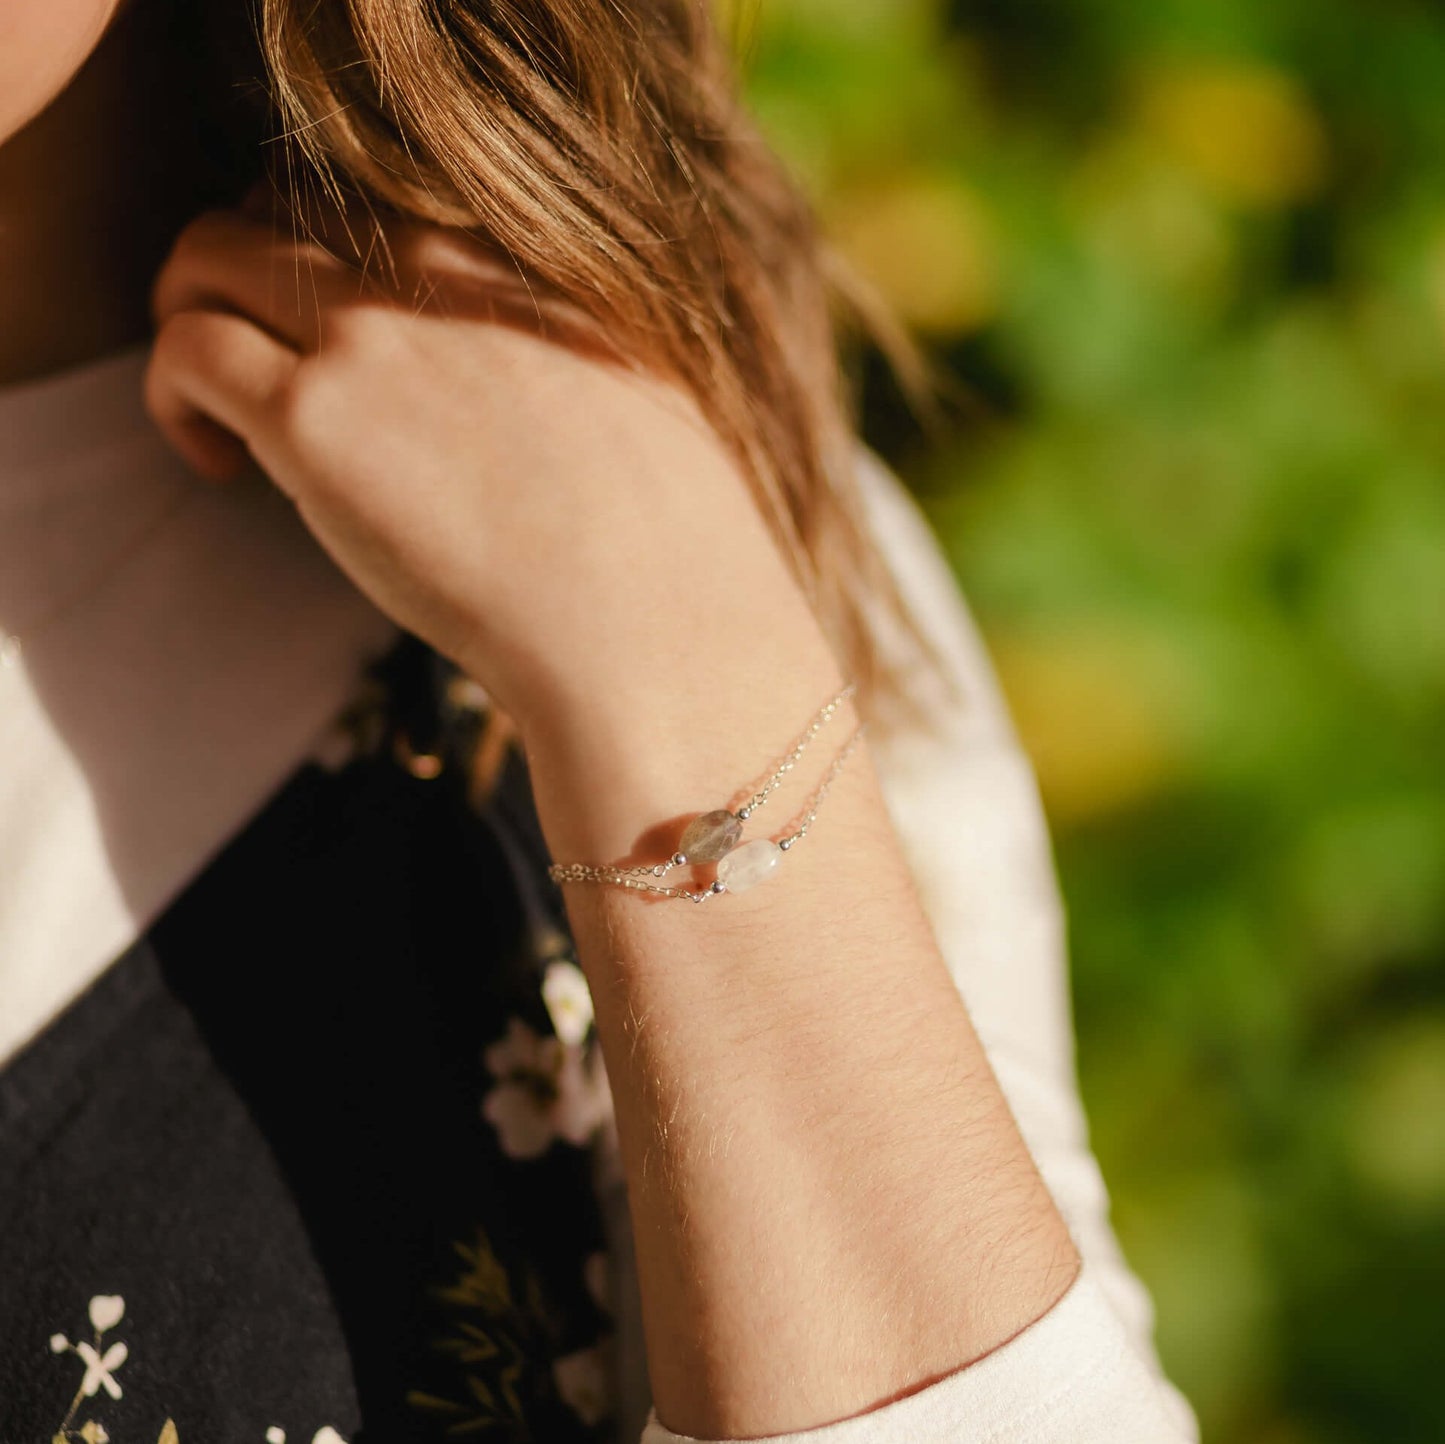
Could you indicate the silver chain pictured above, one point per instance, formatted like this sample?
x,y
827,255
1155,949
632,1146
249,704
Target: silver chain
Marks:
x,y
821,791
639,878
586,872
825,715
634,877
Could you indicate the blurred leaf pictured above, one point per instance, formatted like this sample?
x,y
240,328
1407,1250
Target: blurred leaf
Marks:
x,y
927,243
1245,129
1397,1125
1194,254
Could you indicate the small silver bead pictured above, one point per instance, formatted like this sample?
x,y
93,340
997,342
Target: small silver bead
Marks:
x,y
678,860
717,887
786,843
743,813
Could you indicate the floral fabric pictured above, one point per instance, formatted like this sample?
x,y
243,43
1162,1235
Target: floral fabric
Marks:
x,y
315,1158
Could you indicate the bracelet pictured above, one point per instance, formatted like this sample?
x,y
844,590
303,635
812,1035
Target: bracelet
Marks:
x,y
716,836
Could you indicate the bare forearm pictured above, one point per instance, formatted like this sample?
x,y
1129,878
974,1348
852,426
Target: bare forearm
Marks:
x,y
831,1202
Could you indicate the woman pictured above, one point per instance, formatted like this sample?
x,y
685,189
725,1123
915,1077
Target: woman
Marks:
x,y
520,526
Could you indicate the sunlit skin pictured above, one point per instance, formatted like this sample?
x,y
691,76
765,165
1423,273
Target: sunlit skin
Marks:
x,y
574,536
42,44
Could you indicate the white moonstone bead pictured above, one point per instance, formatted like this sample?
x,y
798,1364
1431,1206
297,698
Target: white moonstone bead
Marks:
x,y
748,865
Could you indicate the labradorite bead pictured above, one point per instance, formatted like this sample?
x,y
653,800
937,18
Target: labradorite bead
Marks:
x,y
710,836
749,864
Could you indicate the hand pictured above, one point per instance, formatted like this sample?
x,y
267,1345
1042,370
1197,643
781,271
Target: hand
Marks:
x,y
470,452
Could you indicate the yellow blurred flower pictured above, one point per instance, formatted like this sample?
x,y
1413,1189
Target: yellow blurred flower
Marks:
x,y
1097,715
1136,205
1245,130
926,242
1397,1122
853,15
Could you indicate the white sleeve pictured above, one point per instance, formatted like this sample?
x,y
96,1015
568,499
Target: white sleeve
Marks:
x,y
966,806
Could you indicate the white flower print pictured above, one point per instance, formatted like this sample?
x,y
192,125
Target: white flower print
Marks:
x,y
547,1089
584,1382
106,1311
335,748
568,1000
522,1051
584,1101
100,1368
101,1363
467,694
523,1127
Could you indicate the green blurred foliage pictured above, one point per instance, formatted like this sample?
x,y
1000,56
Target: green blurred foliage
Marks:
x,y
1189,261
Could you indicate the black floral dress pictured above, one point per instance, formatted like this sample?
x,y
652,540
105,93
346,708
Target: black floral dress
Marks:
x,y
314,1159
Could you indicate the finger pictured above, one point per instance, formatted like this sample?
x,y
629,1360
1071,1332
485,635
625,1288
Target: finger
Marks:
x,y
405,255
225,260
411,261
215,386
352,227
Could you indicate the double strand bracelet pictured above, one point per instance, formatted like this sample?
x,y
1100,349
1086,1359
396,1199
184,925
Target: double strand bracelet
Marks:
x,y
716,836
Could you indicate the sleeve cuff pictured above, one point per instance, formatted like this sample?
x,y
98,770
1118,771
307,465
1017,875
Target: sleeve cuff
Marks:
x,y
1071,1377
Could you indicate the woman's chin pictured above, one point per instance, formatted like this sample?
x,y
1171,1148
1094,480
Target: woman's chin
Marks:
x,y
43,45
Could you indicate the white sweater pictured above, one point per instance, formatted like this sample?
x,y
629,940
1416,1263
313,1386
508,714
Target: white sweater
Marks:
x,y
105,817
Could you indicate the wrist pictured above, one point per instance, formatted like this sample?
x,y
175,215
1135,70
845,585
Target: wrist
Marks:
x,y
684,582
618,767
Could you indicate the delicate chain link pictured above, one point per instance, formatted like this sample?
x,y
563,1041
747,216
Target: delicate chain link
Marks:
x,y
825,715
821,791
641,878
585,872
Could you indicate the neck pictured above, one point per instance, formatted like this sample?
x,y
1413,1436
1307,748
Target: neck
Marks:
x,y
91,194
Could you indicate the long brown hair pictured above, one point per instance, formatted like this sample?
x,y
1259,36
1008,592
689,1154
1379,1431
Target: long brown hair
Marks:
x,y
603,145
